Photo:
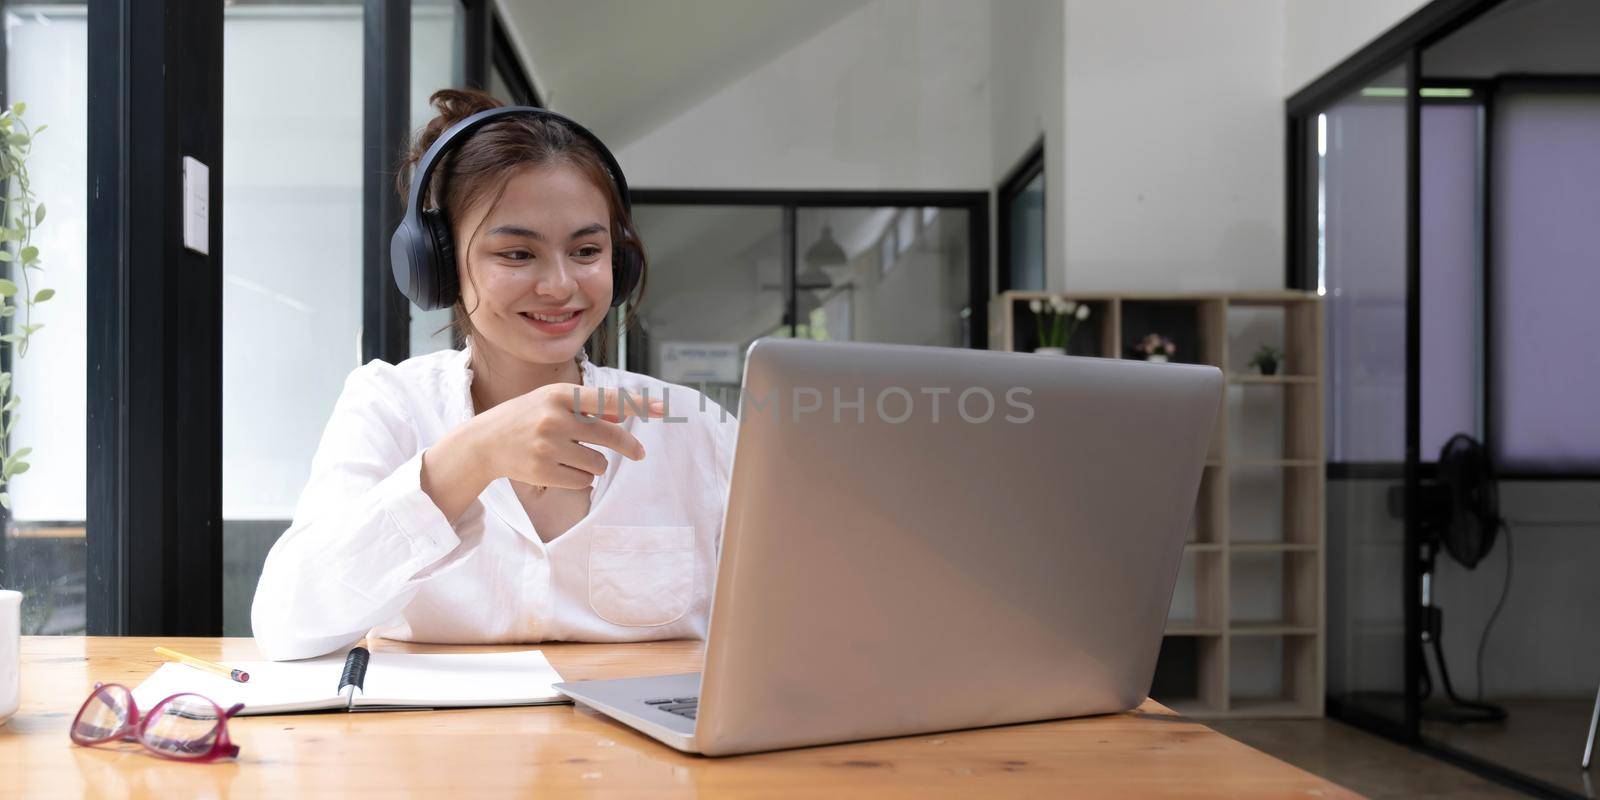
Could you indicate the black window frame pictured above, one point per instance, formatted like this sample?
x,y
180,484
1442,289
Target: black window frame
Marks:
x,y
154,418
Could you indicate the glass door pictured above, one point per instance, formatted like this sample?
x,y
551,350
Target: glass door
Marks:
x,y
1356,227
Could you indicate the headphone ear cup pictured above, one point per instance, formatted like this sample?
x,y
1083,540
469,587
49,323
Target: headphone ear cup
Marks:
x,y
439,271
626,266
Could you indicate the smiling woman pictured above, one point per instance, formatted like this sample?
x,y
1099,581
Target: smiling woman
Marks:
x,y
513,491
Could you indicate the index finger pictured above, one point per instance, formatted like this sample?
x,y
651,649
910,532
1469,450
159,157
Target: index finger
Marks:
x,y
614,404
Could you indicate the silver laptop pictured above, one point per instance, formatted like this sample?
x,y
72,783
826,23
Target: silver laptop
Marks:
x,y
924,539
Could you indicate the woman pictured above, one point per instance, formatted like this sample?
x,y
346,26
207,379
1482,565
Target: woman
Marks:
x,y
504,492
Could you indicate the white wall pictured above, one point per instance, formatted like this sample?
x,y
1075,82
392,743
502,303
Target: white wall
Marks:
x,y
1174,142
894,95
1028,89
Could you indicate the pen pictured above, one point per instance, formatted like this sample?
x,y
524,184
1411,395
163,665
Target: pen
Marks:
x,y
200,663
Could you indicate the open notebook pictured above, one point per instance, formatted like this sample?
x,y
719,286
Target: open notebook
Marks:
x,y
363,680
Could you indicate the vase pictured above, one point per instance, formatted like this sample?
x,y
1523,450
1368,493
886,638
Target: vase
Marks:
x,y
1159,358
1269,367
1051,351
10,653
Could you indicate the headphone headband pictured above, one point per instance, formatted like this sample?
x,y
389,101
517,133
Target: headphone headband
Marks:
x,y
422,250
464,128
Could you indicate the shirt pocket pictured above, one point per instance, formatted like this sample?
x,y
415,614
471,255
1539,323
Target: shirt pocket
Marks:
x,y
641,575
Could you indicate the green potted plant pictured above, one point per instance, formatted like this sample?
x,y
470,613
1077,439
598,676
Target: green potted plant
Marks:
x,y
21,258
1267,359
1056,320
18,218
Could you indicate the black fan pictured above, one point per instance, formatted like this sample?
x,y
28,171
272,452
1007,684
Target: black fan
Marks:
x,y
1461,514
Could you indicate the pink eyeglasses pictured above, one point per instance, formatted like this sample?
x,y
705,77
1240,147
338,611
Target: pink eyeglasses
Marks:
x,y
185,727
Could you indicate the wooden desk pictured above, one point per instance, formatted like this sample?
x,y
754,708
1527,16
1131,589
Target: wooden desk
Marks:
x,y
562,750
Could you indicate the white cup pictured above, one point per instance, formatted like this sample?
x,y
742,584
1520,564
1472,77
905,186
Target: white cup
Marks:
x,y
10,653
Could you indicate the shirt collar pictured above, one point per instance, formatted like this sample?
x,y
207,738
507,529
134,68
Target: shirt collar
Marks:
x,y
460,378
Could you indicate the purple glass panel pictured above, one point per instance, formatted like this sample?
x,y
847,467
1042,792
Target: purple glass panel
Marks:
x,y
1451,296
1364,195
1545,272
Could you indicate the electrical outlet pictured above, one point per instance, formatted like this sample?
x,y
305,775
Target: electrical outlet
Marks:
x,y
196,206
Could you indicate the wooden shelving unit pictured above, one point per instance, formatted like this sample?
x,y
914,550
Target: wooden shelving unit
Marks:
x,y
1246,636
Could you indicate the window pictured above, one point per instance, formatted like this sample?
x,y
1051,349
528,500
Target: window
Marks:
x,y
1022,224
1546,180
292,194
802,264
436,63
43,545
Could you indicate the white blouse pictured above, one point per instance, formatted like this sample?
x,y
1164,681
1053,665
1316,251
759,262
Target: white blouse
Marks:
x,y
370,552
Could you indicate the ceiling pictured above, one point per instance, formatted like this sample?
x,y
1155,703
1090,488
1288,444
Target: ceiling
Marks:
x,y
624,67
1530,37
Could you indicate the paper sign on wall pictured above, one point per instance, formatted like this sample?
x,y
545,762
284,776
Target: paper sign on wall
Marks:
x,y
699,362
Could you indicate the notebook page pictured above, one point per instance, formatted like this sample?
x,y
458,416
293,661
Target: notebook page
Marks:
x,y
275,687
459,679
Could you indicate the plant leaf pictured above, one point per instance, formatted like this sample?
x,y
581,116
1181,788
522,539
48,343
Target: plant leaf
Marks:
x,y
11,337
20,467
38,213
30,253
5,500
19,107
7,288
22,452
43,295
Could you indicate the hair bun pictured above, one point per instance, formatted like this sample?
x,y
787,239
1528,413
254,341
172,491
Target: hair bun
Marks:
x,y
450,106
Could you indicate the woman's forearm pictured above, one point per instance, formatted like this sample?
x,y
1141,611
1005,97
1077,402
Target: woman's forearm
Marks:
x,y
456,469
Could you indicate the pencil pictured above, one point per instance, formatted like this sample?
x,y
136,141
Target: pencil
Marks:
x,y
200,663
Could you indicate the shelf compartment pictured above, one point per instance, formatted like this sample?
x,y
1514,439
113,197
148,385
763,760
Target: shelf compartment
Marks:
x,y
1274,420
1190,674
1288,325
1274,502
1197,603
1274,676
1272,547
1209,523
1274,591
1270,379
1194,326
1096,336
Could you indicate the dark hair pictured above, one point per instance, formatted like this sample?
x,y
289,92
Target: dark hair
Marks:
x,y
481,166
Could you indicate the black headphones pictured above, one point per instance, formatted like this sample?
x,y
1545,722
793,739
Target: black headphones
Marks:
x,y
422,251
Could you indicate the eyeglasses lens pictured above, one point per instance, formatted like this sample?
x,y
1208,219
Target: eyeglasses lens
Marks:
x,y
103,716
185,727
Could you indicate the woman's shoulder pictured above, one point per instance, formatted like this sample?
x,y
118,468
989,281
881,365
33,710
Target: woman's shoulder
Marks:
x,y
413,368
421,375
